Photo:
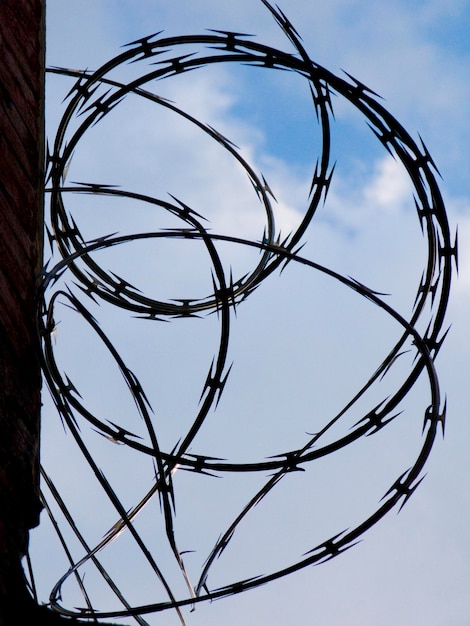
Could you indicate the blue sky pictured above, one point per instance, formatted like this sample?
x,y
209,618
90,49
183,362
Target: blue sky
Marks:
x,y
301,345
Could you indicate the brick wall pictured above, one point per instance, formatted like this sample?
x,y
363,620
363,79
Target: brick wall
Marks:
x,y
21,158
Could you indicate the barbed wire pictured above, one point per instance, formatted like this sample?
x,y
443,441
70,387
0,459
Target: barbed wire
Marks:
x,y
91,99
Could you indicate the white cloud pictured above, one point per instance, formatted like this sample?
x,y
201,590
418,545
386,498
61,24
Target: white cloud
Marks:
x,y
390,187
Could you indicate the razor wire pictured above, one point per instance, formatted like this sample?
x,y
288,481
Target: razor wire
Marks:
x,y
92,98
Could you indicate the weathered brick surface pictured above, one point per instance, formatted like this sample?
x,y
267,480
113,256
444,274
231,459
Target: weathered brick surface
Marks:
x,y
21,157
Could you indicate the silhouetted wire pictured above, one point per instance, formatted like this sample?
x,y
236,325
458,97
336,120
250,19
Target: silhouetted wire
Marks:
x,y
88,105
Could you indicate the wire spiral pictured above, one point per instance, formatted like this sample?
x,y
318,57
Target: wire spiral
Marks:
x,y
93,97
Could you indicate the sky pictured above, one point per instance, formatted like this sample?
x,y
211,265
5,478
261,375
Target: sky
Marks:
x,y
301,344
